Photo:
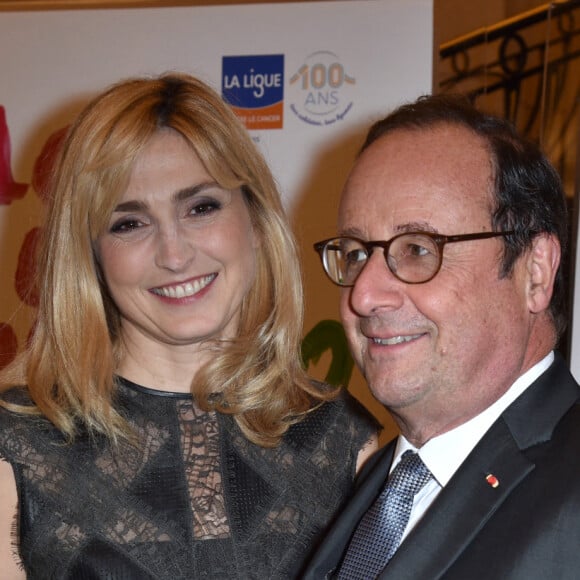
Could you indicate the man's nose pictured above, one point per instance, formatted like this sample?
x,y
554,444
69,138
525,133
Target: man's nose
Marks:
x,y
376,287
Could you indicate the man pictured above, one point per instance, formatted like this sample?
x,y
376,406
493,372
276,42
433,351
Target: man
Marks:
x,y
451,232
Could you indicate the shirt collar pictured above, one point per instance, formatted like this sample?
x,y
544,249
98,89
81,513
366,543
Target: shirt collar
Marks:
x,y
445,453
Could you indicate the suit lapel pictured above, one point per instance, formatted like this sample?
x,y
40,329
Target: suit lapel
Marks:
x,y
461,509
370,482
469,500
465,505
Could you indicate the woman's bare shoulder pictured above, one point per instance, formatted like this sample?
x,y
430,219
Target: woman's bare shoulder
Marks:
x,y
9,560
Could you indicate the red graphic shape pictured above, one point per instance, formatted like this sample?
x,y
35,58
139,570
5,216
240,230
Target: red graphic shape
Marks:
x,y
44,163
9,189
8,345
24,280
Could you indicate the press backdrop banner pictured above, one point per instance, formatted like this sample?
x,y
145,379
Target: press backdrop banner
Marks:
x,y
307,79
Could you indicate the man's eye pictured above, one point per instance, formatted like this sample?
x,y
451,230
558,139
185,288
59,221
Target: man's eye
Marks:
x,y
417,250
354,256
126,225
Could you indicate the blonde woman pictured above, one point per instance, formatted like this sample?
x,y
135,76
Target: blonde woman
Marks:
x,y
167,429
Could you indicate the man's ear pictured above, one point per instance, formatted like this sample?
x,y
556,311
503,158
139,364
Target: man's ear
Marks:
x,y
543,261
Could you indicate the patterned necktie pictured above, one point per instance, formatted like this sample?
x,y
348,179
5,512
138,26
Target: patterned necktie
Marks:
x,y
379,532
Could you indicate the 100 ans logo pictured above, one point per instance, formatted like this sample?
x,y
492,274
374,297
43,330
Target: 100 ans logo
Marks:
x,y
323,85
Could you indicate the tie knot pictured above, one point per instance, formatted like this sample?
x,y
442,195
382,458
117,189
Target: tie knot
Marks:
x,y
410,474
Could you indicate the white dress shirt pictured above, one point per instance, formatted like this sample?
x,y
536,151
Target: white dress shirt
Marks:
x,y
445,453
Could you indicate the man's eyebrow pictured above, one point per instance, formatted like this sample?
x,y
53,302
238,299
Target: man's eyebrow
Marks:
x,y
415,227
179,195
351,233
419,226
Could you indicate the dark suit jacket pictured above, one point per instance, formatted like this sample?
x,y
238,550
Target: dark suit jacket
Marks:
x,y
526,528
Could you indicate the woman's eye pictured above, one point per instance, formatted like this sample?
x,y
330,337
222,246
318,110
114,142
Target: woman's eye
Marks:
x,y
126,225
205,207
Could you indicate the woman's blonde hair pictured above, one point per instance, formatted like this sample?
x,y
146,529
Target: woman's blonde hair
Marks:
x,y
70,364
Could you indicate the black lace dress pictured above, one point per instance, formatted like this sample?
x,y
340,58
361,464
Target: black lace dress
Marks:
x,y
194,500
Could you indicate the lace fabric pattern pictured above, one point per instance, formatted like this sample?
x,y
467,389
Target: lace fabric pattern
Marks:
x,y
194,499
200,444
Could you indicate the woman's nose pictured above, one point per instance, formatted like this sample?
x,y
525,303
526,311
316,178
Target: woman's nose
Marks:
x,y
174,250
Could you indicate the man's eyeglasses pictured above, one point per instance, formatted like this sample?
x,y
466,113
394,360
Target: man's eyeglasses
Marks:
x,y
413,257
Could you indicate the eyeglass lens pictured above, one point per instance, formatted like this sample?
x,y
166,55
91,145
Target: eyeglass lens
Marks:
x,y
413,258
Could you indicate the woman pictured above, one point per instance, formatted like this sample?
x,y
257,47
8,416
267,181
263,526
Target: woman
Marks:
x,y
167,429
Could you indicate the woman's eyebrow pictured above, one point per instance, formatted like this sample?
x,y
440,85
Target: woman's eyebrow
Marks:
x,y
187,192
179,195
131,205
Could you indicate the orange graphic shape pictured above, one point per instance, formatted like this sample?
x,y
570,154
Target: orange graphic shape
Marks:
x,y
271,117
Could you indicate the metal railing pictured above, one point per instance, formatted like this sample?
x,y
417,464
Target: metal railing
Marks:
x,y
527,69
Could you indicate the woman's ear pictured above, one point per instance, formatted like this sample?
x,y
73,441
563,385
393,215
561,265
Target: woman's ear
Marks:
x,y
543,262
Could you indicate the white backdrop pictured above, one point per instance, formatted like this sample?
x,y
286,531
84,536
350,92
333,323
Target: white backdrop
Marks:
x,y
340,65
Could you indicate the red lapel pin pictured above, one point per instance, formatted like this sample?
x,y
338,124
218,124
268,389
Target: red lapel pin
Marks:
x,y
492,480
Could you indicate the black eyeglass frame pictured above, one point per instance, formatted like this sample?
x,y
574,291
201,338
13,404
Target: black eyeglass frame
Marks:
x,y
440,241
